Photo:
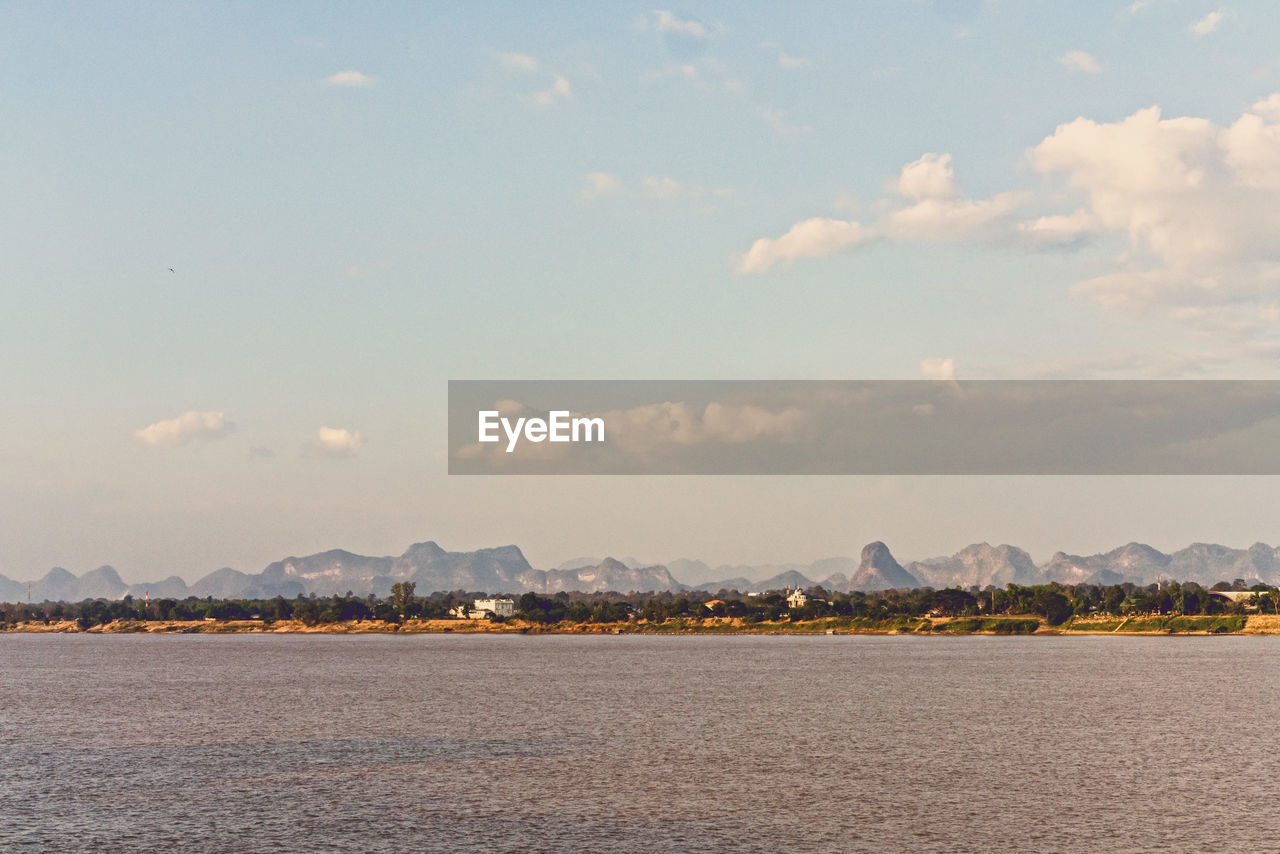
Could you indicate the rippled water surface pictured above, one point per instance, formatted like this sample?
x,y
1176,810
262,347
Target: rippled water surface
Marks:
x,y
638,743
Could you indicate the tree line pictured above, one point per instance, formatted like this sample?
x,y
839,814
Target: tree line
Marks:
x,y
1054,602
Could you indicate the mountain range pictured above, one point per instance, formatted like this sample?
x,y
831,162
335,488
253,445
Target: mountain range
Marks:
x,y
505,570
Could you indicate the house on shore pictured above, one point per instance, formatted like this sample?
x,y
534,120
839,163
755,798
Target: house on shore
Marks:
x,y
484,609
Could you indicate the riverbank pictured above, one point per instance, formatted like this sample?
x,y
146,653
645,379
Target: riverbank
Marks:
x,y
1254,624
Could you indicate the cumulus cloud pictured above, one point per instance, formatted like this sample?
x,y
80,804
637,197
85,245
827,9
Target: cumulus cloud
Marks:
x,y
188,427
665,22
668,188
930,177
1199,207
951,219
350,80
517,61
1194,202
1143,5
937,368
810,238
508,408
644,428
558,91
933,212
1183,190
792,63
600,184
1059,230
336,442
1079,60
779,121
1208,23
655,187
1268,107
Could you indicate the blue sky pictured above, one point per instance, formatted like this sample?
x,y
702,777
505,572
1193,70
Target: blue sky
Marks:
x,y
360,203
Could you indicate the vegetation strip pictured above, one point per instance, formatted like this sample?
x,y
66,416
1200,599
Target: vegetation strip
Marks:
x,y
1169,608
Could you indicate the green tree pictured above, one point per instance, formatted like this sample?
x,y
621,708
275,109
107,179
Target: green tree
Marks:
x,y
402,596
1055,607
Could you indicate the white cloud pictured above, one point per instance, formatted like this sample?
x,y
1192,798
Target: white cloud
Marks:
x,y
600,184
1142,5
350,80
951,219
654,187
1155,180
706,75
793,63
935,214
559,90
1199,205
188,427
1208,23
1252,147
1078,60
508,408
1060,230
668,189
1184,190
517,61
778,120
1268,107
665,22
810,238
336,442
930,177
644,428
937,368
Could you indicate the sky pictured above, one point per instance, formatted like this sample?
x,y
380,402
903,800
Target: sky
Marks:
x,y
245,248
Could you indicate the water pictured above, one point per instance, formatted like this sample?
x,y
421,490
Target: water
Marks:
x,y
637,743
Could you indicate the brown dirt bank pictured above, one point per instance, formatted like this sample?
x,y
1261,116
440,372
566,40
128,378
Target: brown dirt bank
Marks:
x,y
1254,625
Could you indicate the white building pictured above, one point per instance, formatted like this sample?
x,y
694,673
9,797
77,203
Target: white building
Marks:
x,y
495,607
797,598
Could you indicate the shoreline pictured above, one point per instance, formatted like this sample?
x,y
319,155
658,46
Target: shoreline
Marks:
x,y
1254,624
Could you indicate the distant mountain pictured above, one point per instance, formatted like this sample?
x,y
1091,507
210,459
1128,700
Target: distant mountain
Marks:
x,y
172,587
12,591
1199,562
742,585
505,570
592,562
332,573
879,571
1094,569
829,573
432,568
829,567
58,585
691,571
101,583
1206,563
978,565
609,574
227,583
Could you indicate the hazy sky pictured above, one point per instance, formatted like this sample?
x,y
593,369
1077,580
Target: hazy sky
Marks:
x,y
359,203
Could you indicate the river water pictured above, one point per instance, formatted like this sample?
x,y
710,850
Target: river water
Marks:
x,y
638,743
